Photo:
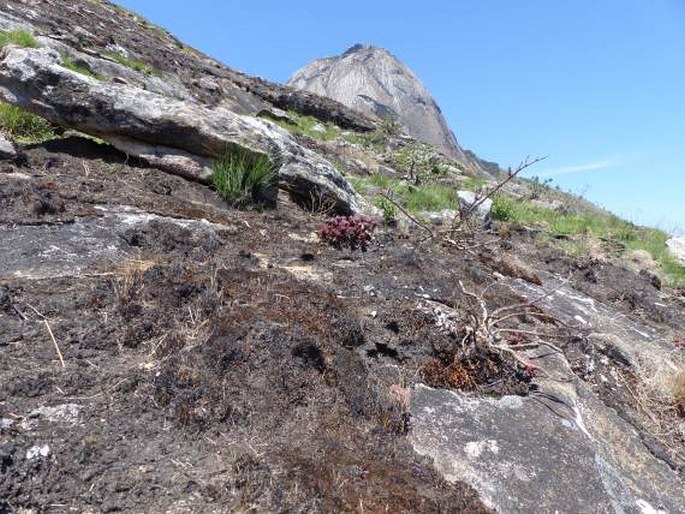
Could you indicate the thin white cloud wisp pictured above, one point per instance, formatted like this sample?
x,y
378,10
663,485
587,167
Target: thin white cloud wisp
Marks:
x,y
601,164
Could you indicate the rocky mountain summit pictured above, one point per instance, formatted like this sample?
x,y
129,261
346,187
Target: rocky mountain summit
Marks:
x,y
220,294
372,80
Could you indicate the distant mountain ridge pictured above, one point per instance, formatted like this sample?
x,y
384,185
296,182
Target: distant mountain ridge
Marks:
x,y
373,81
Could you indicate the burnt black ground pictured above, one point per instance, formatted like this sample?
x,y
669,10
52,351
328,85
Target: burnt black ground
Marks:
x,y
249,366
206,376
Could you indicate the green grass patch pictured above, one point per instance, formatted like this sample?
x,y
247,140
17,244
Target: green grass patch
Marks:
x,y
360,185
431,197
310,126
385,182
564,223
584,227
654,242
427,197
474,183
376,140
23,126
19,37
130,63
370,185
69,64
240,176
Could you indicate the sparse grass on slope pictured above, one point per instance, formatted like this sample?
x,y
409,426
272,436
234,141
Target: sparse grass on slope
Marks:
x,y
310,126
130,63
592,226
18,37
416,199
69,64
23,126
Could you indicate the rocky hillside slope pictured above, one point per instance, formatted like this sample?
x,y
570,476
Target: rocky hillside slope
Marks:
x,y
373,81
162,350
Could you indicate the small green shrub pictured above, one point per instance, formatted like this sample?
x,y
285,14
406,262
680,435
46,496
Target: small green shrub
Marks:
x,y
23,126
388,209
19,37
538,186
418,160
241,176
502,208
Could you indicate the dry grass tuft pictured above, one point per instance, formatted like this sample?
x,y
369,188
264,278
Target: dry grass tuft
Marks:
x,y
128,275
678,390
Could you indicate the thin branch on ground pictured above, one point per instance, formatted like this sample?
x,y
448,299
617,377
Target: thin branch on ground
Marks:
x,y
52,336
54,342
467,213
484,326
404,211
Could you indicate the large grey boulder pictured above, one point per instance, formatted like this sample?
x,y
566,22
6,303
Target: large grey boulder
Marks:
x,y
677,247
373,81
475,207
178,136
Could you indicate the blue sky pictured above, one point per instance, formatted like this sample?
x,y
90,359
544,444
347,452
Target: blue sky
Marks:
x,y
597,85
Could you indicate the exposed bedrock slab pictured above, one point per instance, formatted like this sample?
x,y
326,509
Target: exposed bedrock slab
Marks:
x,y
177,136
561,449
641,345
67,249
522,457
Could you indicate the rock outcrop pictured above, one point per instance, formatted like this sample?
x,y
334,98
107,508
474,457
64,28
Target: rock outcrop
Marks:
x,y
476,207
109,30
503,447
178,136
373,81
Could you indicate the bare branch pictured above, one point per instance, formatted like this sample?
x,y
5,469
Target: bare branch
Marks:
x,y
527,163
534,301
404,211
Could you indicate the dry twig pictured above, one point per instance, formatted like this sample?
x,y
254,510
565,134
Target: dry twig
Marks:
x,y
466,214
52,336
54,341
404,211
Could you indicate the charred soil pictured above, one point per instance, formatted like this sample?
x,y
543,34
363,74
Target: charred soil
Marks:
x,y
219,360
